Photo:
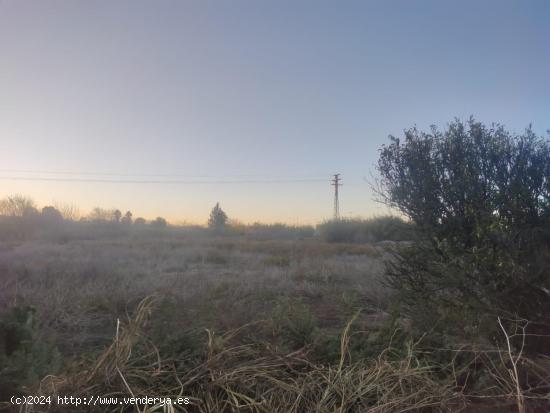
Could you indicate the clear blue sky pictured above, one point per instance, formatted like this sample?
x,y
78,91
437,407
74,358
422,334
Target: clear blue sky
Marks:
x,y
255,90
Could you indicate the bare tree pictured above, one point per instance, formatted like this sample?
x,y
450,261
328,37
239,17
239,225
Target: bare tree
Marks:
x,y
70,212
99,214
17,206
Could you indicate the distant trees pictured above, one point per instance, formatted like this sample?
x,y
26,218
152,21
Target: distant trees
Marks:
x,y
127,219
51,214
69,211
100,215
159,222
140,221
218,218
18,206
116,215
22,206
21,219
113,215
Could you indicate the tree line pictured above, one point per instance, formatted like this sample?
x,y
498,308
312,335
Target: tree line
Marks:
x,y
24,207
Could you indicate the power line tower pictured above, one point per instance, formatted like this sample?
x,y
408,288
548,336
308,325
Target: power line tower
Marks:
x,y
336,183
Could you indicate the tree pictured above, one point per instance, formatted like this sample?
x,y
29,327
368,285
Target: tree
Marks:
x,y
140,221
70,212
159,222
218,218
51,214
116,215
17,206
127,219
480,198
100,215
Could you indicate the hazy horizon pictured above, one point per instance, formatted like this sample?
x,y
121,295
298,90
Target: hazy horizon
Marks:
x,y
229,97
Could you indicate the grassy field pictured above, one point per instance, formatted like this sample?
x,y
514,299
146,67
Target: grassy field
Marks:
x,y
232,323
187,298
79,289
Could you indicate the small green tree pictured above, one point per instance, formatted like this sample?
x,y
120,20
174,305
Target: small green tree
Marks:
x,y
218,218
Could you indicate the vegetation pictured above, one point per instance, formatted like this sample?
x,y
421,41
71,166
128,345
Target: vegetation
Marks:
x,y
201,281
274,318
280,231
253,377
481,199
386,228
159,222
17,206
127,218
140,221
217,219
50,213
25,358
117,215
101,215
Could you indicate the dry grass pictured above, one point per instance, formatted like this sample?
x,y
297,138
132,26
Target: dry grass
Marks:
x,y
248,326
255,378
79,288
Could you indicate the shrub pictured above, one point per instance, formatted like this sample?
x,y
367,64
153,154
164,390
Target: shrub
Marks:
x,y
294,323
480,197
279,231
387,228
24,357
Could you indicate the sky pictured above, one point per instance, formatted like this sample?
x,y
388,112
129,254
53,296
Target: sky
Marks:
x,y
254,104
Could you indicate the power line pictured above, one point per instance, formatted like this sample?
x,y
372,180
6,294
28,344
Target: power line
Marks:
x,y
165,175
179,182
75,173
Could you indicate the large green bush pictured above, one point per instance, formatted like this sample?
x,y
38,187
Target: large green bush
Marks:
x,y
480,197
